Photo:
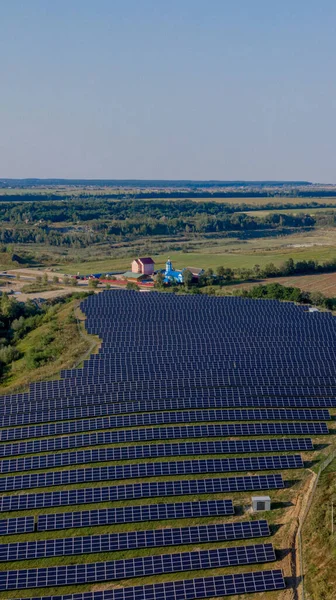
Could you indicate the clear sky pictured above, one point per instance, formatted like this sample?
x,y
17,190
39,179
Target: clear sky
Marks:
x,y
168,89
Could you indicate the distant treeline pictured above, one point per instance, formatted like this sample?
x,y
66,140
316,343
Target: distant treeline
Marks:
x,y
222,275
95,221
240,225
146,183
151,195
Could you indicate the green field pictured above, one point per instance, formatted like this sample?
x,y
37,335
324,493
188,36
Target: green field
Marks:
x,y
212,257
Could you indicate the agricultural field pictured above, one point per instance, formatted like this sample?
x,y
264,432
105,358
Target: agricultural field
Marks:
x,y
325,283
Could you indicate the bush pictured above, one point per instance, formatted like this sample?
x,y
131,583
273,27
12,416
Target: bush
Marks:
x,y
8,354
93,283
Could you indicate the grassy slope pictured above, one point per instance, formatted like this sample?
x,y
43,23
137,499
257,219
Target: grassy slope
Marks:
x,y
318,543
68,343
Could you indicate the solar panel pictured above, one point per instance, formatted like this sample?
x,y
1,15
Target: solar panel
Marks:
x,y
159,469
134,452
189,589
109,454
136,567
141,490
158,418
220,398
112,542
15,526
162,433
133,514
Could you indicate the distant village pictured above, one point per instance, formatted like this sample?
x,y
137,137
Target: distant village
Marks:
x,y
143,269
143,272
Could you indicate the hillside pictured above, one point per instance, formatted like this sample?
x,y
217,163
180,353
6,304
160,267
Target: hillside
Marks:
x,y
319,543
121,409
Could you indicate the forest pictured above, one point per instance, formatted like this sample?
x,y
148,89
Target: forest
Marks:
x,y
77,223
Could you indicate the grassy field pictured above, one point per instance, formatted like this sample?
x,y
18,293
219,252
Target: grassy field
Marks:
x,y
245,256
322,282
318,542
289,211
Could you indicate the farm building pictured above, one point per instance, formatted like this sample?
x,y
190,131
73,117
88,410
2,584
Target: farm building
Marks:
x,y
135,277
143,265
195,271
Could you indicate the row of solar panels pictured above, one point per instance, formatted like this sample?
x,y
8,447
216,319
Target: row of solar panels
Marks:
x,y
135,514
249,393
133,452
141,391
111,516
167,379
105,405
163,433
136,567
145,389
159,418
156,469
191,378
190,589
132,491
131,540
215,398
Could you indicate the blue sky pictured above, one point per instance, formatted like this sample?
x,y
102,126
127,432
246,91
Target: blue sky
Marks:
x,y
168,89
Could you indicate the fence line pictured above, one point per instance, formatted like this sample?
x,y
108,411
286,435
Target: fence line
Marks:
x,y
302,519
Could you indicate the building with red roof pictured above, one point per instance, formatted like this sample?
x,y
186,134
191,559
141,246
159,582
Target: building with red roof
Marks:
x,y
143,265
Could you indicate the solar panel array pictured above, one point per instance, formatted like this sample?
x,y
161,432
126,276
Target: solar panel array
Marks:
x,y
190,589
133,514
174,377
165,433
155,469
16,526
142,490
157,418
110,542
136,567
133,452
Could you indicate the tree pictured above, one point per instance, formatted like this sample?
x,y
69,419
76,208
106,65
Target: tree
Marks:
x,y
38,279
107,286
256,270
66,280
220,272
209,276
187,278
93,284
132,286
270,270
159,280
73,281
45,279
288,268
55,279
228,274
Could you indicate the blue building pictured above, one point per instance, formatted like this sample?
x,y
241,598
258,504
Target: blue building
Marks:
x,y
172,276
